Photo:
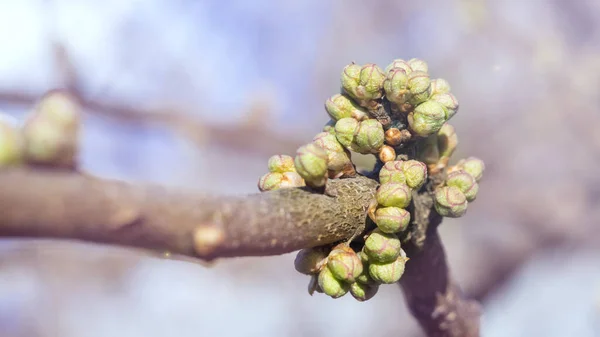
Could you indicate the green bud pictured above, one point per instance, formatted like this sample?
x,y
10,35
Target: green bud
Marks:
x,y
341,106
473,166
345,129
364,277
337,156
419,85
344,263
330,285
50,142
396,86
465,183
415,172
311,164
11,143
382,247
418,65
281,163
59,108
393,194
330,126
389,272
439,86
450,202
371,79
427,118
392,219
447,140
310,261
270,181
369,137
351,78
392,172
399,63
448,101
363,292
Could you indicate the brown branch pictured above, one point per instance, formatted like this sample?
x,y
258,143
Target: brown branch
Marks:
x,y
59,204
51,203
432,296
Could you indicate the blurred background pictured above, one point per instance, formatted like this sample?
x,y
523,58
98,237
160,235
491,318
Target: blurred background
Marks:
x,y
199,94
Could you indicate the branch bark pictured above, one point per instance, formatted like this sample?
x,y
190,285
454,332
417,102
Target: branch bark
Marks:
x,y
36,202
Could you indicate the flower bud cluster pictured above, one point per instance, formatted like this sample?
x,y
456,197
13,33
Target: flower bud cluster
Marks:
x,y
460,188
427,103
282,174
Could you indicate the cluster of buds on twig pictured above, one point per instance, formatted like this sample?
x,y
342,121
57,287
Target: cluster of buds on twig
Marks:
x,y
400,115
49,136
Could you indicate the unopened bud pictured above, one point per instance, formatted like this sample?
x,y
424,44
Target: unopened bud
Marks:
x,y
465,183
311,164
344,263
439,86
473,166
281,163
393,137
392,219
345,129
387,154
341,106
448,101
382,247
337,156
450,202
389,272
11,143
363,292
396,86
415,173
399,63
393,194
427,118
330,285
369,137
392,172
418,65
419,85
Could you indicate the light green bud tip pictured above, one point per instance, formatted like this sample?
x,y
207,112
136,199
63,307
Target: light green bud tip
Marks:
x,y
465,183
447,140
332,286
311,164
415,172
369,137
341,106
393,194
382,247
48,142
345,264
392,219
59,107
439,86
396,86
418,65
11,143
364,277
474,166
419,85
371,82
391,172
277,180
390,272
427,118
450,202
337,156
281,163
310,261
345,129
363,292
399,63
350,78
448,101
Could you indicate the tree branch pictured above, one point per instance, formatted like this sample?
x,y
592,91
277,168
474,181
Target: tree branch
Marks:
x,y
59,204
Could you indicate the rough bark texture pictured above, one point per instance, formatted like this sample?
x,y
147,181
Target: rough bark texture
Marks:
x,y
48,203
